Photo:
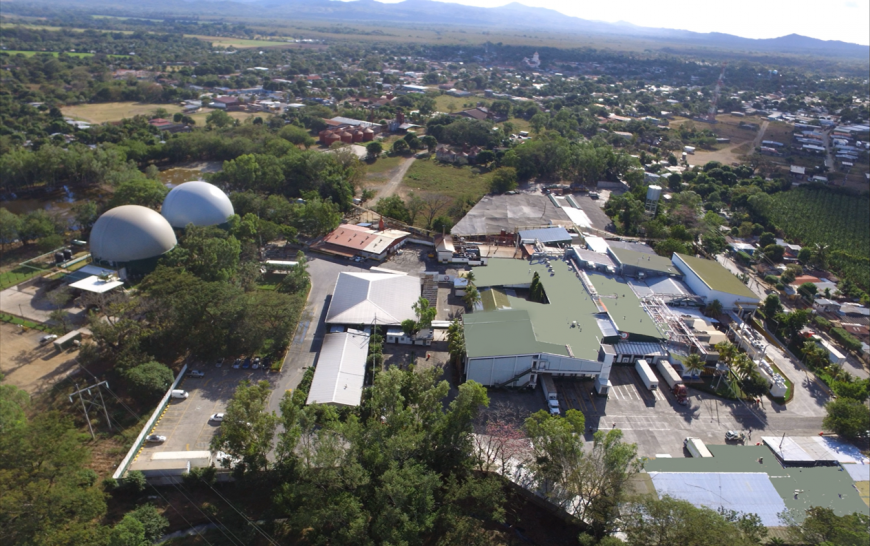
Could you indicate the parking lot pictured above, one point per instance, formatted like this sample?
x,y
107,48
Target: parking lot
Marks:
x,y
185,422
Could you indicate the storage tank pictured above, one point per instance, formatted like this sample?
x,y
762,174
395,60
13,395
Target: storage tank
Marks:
x,y
331,138
653,193
358,135
346,137
368,135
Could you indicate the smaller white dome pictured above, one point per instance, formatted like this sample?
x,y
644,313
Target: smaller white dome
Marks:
x,y
198,203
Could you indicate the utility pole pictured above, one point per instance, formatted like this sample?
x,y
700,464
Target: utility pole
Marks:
x,y
92,403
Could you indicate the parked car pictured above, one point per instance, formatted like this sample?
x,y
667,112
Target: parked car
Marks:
x,y
155,439
219,363
267,363
734,436
46,339
237,364
357,259
217,417
178,393
593,195
195,373
247,363
256,364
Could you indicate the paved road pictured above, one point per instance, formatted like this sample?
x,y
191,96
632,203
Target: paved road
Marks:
x,y
305,347
390,187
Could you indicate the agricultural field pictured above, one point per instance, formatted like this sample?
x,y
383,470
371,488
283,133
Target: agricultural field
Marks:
x,y
840,221
116,111
238,43
430,176
201,116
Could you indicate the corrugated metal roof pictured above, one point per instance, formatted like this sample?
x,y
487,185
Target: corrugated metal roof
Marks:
x,y
340,371
492,214
749,492
635,348
607,327
643,260
546,235
715,276
360,298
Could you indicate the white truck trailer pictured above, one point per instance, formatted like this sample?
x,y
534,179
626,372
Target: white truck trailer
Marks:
x,y
696,447
674,381
550,394
646,375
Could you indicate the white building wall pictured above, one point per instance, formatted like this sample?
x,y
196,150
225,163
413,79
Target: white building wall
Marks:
x,y
496,370
700,288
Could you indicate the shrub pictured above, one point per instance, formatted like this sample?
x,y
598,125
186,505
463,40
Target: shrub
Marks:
x,y
847,417
856,390
771,279
744,258
822,322
151,520
135,482
150,379
110,484
300,395
847,339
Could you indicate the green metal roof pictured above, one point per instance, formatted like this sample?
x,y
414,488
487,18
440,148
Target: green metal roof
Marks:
x,y
531,327
717,277
819,486
650,262
494,299
625,311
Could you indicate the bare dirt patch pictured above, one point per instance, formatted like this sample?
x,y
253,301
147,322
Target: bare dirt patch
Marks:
x,y
27,364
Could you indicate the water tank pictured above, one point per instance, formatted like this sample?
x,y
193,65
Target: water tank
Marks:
x,y
653,193
67,254
58,257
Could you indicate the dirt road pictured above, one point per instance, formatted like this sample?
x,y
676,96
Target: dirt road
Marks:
x,y
390,187
758,138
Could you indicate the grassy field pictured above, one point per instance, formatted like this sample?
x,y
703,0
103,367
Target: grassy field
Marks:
x,y
201,116
116,111
430,176
237,42
46,27
443,103
383,165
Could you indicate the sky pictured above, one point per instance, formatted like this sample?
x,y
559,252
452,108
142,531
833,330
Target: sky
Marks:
x,y
845,20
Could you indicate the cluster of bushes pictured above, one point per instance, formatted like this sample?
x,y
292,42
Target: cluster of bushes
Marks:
x,y
848,340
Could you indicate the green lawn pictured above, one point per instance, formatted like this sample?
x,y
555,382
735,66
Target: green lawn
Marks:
x,y
443,103
55,53
433,177
383,165
17,275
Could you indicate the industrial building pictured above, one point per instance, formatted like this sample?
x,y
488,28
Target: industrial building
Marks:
x,y
711,281
198,203
349,241
373,298
588,322
340,372
498,214
131,238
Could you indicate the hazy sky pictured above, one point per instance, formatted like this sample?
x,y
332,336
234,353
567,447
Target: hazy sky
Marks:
x,y
846,20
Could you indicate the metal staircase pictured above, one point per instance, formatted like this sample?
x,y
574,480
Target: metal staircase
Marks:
x,y
514,378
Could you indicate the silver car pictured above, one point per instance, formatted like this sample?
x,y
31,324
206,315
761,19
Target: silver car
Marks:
x,y
155,439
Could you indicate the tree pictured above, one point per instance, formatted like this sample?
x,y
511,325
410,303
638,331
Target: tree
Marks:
x,y
374,149
767,238
296,135
425,313
36,225
433,204
536,289
456,339
804,256
673,521
151,379
772,306
86,214
713,309
415,206
298,279
442,224
792,323
10,224
471,297
503,179
430,142
668,247
693,365
393,207
400,147
248,430
808,290
820,525
847,417
128,532
154,524
219,119
485,157
143,191
774,252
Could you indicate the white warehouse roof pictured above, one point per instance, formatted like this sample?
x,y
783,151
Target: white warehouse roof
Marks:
x,y
363,298
198,203
129,233
340,371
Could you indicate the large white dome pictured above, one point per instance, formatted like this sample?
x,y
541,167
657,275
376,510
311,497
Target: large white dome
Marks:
x,y
130,232
198,203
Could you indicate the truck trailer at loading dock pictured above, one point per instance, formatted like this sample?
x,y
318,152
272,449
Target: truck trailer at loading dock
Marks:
x,y
550,394
646,375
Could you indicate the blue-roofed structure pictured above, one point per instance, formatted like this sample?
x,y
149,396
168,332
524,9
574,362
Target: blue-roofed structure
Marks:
x,y
546,236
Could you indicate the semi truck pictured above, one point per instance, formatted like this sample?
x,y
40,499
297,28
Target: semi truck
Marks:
x,y
646,375
550,394
696,447
672,378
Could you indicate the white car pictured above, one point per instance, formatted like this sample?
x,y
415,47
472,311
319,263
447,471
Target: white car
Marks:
x,y
46,339
195,373
155,439
217,417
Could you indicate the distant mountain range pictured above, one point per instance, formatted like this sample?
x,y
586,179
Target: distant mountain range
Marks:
x,y
511,16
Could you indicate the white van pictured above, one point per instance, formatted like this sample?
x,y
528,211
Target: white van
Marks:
x,y
178,393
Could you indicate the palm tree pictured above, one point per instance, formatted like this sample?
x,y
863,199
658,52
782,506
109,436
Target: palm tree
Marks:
x,y
726,351
456,339
714,308
743,366
693,365
471,297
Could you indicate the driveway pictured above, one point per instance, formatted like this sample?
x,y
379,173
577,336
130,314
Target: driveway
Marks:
x,y
309,334
390,187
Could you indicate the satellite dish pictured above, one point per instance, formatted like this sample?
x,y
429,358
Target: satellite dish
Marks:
x,y
623,335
